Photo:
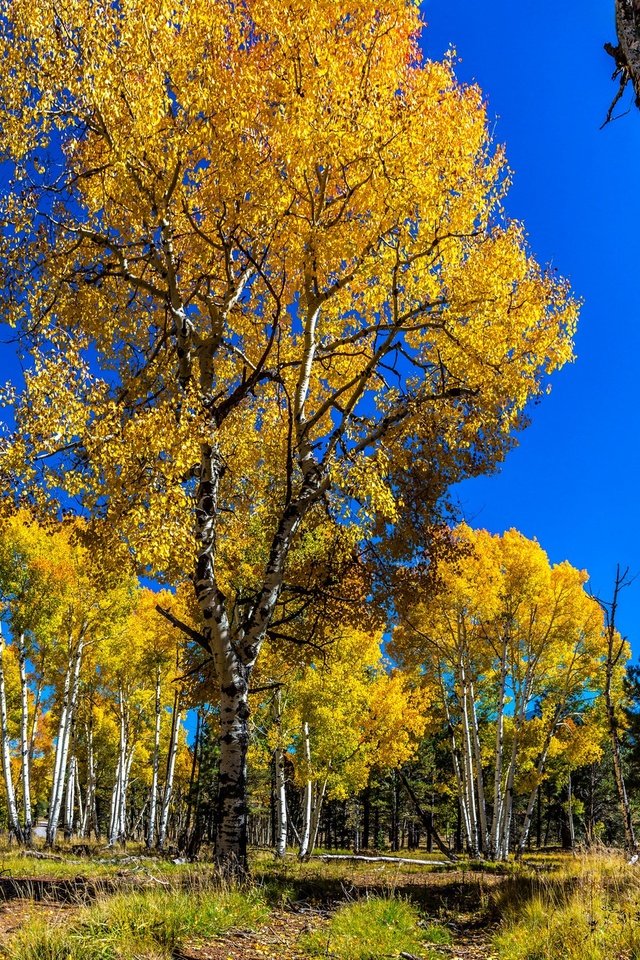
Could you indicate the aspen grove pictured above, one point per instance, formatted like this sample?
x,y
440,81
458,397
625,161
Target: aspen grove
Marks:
x,y
259,263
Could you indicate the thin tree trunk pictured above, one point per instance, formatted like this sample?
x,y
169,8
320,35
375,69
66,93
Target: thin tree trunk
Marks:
x,y
24,740
615,649
184,841
70,694
455,756
497,776
307,800
118,797
171,763
427,819
482,803
280,838
34,720
467,756
90,819
70,799
153,799
315,814
539,771
12,807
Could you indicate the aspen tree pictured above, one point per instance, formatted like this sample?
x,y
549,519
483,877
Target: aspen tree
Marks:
x,y
510,638
255,250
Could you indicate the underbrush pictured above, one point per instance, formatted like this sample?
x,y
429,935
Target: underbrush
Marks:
x,y
372,928
148,926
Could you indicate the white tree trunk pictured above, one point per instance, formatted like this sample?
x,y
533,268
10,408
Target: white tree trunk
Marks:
x,y
70,799
153,799
315,815
69,698
12,807
118,794
455,756
171,763
114,826
280,791
89,818
307,797
495,837
467,755
24,739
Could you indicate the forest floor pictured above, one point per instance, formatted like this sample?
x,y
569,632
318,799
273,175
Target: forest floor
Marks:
x,y
138,908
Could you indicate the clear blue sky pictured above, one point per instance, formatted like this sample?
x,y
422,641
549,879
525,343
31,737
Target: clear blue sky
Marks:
x,y
572,482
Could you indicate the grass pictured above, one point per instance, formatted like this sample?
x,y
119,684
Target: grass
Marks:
x,y
371,928
144,926
587,909
551,906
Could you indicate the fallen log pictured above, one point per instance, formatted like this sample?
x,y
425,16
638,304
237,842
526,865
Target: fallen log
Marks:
x,y
358,856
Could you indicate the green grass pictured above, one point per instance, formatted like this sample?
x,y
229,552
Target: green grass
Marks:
x,y
145,926
588,909
372,928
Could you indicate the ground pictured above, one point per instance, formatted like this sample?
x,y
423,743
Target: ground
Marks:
x,y
469,907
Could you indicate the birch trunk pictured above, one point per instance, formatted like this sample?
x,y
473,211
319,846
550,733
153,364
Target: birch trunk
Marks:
x,y
123,796
12,807
115,806
70,694
171,763
532,796
153,799
307,801
315,815
70,799
280,792
455,755
34,721
467,756
117,819
231,838
234,646
497,776
90,817
24,740
482,803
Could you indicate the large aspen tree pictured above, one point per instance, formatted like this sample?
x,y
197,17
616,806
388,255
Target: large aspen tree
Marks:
x,y
259,251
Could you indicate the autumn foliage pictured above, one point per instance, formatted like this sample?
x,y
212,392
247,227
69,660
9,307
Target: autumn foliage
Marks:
x,y
259,258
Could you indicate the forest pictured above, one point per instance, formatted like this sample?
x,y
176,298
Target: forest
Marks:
x,y
264,689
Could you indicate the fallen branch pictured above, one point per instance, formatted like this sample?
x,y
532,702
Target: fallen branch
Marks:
x,y
37,855
355,856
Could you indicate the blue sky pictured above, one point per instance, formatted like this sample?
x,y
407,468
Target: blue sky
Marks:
x,y
573,481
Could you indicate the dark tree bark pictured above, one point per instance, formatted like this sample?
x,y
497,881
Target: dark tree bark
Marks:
x,y
366,818
427,819
627,52
616,647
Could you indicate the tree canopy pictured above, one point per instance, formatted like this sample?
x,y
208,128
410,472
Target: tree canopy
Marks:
x,y
260,259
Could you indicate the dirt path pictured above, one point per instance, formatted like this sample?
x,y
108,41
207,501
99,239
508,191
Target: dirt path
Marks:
x,y
472,944
279,940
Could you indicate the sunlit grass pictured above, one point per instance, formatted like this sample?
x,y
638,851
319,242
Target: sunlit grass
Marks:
x,y
147,926
588,908
372,928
